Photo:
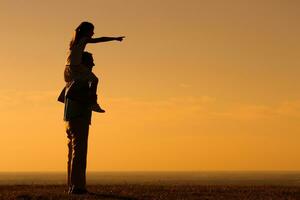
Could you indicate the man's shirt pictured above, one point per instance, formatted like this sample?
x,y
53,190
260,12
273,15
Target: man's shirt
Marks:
x,y
77,102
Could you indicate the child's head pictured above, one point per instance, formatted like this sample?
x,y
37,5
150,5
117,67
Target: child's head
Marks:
x,y
88,60
85,29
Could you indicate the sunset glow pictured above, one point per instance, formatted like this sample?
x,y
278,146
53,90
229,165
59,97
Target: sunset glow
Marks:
x,y
196,84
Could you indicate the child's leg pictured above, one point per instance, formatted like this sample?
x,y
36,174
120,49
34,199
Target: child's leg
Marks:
x,y
93,87
82,73
93,93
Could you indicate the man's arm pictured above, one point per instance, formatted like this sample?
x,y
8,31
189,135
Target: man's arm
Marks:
x,y
105,39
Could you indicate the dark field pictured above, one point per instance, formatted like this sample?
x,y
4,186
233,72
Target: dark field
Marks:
x,y
151,191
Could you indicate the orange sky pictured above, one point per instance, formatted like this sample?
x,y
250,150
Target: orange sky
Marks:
x,y
196,85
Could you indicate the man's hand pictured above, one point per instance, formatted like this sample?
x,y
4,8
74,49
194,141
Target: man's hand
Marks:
x,y
120,39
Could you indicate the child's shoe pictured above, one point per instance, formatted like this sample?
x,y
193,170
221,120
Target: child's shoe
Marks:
x,y
96,107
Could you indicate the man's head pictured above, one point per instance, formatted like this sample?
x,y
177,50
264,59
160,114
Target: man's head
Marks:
x,y
88,60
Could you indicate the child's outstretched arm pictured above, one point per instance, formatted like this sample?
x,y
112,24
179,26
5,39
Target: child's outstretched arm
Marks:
x,y
105,39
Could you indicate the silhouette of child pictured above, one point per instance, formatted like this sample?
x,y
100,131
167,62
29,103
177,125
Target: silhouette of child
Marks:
x,y
75,70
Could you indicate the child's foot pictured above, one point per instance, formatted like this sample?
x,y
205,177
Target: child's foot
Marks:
x,y
96,107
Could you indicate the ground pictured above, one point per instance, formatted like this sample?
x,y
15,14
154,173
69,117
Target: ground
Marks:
x,y
151,192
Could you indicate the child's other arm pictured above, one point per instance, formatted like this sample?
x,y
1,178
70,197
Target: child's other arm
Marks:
x,y
105,39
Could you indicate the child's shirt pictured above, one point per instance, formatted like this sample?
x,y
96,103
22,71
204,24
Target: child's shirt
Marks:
x,y
75,54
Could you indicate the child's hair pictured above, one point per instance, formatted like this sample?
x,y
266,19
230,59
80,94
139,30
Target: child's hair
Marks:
x,y
81,31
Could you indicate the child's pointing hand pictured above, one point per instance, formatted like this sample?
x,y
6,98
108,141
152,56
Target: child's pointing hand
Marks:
x,y
120,38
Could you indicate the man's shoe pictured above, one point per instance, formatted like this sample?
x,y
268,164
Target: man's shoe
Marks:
x,y
96,107
78,191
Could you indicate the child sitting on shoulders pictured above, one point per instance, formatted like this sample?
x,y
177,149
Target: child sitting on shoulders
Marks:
x,y
75,70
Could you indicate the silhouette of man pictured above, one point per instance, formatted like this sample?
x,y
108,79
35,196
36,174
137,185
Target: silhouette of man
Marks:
x,y
77,114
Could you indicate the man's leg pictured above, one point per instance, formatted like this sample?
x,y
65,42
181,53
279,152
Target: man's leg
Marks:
x,y
79,129
69,135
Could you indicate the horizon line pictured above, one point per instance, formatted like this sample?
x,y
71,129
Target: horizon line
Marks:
x,y
152,171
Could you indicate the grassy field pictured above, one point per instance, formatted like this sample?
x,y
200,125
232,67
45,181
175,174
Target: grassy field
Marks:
x,y
151,192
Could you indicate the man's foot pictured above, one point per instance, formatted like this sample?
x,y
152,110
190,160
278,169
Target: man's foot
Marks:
x,y
68,191
78,191
96,107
